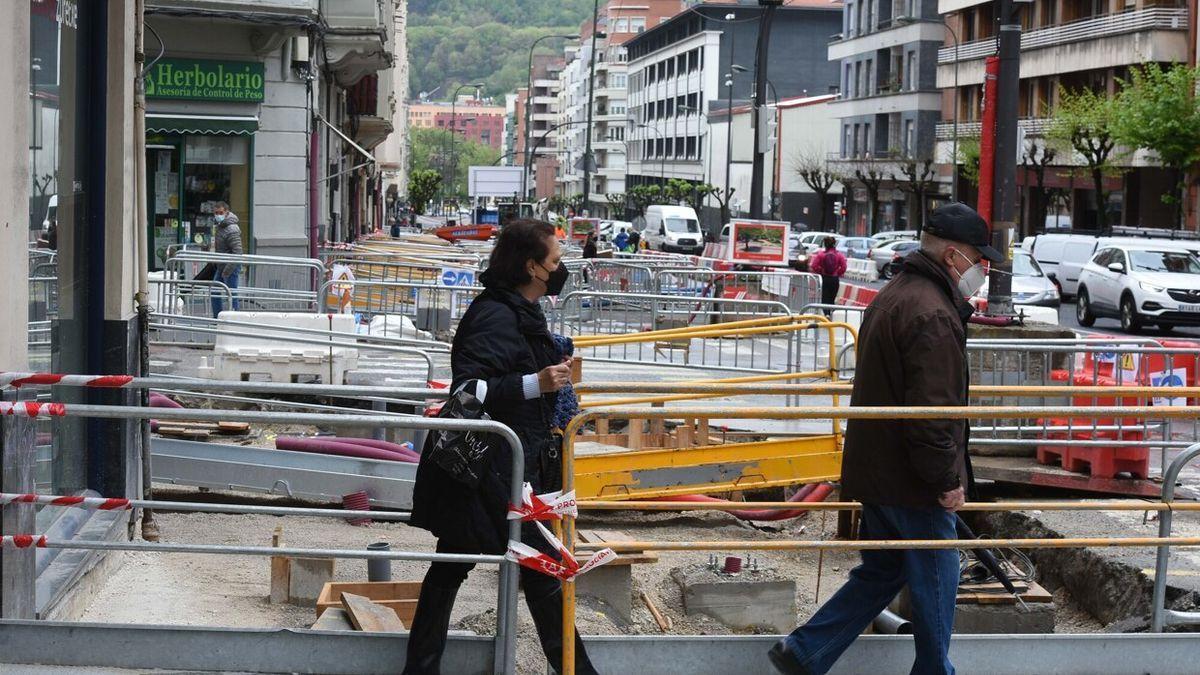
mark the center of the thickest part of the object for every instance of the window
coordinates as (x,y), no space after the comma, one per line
(670,147)
(858,86)
(637,24)
(868,142)
(616,109)
(847,141)
(912,71)
(909,137)
(848,85)
(618,81)
(622,26)
(691,146)
(871,90)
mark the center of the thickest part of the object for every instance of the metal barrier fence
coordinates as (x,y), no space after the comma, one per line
(265,283)
(597,313)
(1018,412)
(430,306)
(506,623)
(186,298)
(1160,615)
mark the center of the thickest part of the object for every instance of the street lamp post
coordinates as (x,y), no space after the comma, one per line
(454,125)
(954,141)
(529,105)
(733,68)
(587,154)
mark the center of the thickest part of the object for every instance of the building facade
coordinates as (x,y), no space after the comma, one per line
(231,109)
(536,114)
(678,70)
(392,154)
(889,107)
(1066,44)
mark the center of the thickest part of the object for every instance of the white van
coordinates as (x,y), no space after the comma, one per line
(673,228)
(1062,256)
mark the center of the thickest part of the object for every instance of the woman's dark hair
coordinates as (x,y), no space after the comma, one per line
(519,241)
(830,242)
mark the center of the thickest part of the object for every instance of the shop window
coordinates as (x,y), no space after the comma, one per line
(216,168)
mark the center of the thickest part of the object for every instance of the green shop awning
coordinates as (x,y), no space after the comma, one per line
(212,125)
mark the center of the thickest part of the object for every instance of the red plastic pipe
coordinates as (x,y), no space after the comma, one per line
(157,400)
(813,492)
(324,446)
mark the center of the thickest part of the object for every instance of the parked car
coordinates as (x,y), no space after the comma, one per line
(856,247)
(887,256)
(895,235)
(1062,256)
(673,228)
(1140,285)
(1030,285)
(815,241)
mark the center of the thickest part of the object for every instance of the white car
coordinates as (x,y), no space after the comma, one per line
(895,235)
(1139,286)
(815,241)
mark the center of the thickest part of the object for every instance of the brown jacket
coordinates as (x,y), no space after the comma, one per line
(911,352)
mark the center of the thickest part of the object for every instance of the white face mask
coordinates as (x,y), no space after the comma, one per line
(971,281)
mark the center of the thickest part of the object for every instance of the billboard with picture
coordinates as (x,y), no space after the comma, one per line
(758,242)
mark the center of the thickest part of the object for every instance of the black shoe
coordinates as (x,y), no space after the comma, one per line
(547,618)
(784,661)
(427,638)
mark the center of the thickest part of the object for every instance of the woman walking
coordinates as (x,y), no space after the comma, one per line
(831,265)
(503,341)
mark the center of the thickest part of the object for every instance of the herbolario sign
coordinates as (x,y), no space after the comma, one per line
(206,80)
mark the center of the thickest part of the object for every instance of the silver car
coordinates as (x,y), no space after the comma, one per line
(1030,285)
(887,256)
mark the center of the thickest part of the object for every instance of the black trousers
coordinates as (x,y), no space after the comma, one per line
(829,289)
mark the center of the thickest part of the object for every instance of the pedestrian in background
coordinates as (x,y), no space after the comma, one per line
(910,475)
(227,239)
(635,241)
(502,340)
(589,246)
(621,240)
(831,265)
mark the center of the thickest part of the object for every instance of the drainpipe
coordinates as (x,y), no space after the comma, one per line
(142,256)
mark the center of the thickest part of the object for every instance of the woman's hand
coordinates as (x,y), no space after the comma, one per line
(553,378)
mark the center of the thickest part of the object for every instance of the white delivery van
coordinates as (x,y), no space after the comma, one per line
(1062,255)
(673,228)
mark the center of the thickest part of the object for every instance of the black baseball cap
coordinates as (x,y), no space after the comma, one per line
(958,222)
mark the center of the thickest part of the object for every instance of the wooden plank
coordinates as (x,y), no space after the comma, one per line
(334,618)
(370,617)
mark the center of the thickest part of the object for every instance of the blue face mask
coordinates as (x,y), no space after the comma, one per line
(220,217)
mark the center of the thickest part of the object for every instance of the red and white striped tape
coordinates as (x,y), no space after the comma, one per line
(17,380)
(89,503)
(23,541)
(550,506)
(32,409)
(566,569)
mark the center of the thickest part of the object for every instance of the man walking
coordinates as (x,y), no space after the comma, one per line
(227,239)
(910,475)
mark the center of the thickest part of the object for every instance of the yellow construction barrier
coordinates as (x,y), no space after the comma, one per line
(568,528)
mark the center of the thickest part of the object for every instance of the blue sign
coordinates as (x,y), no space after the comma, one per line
(458,278)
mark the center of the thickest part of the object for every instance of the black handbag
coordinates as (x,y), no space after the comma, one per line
(461,454)
(206,273)
(551,464)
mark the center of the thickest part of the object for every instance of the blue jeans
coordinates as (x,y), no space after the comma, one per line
(932,579)
(232,282)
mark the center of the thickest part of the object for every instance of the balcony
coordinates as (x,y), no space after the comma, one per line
(1083,30)
(890,33)
(370,110)
(887,99)
(356,38)
(303,8)
(1034,127)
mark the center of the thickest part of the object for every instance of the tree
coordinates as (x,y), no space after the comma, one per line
(870,177)
(1084,121)
(1036,158)
(968,159)
(642,196)
(918,180)
(691,194)
(616,204)
(1158,110)
(815,173)
(722,197)
(431,149)
(423,185)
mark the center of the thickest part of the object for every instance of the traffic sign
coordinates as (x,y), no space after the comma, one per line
(457,278)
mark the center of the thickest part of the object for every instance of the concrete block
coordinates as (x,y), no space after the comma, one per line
(611,583)
(972,618)
(308,577)
(747,601)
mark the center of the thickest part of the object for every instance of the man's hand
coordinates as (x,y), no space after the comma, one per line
(953,500)
(553,378)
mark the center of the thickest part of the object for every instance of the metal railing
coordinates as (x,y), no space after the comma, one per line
(1032,126)
(506,623)
(1160,615)
(1091,28)
(265,283)
(430,306)
(964,413)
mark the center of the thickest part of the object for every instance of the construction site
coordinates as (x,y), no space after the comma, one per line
(278,447)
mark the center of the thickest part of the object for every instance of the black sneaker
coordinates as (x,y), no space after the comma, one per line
(784,661)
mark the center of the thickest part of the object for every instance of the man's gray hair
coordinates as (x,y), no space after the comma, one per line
(221,205)
(934,246)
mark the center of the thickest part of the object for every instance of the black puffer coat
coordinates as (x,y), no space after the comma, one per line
(501,338)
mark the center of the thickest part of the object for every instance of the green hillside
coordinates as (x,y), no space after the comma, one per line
(451,42)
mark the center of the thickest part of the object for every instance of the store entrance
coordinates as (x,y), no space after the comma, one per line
(162,194)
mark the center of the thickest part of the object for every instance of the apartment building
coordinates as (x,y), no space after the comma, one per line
(473,119)
(618,22)
(1066,44)
(677,72)
(889,108)
(542,103)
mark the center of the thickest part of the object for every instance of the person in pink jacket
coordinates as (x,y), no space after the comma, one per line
(831,265)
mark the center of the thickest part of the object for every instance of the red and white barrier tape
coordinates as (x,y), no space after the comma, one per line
(23,541)
(550,506)
(566,569)
(17,380)
(89,503)
(32,409)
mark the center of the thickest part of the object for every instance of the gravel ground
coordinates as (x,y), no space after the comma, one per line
(217,590)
